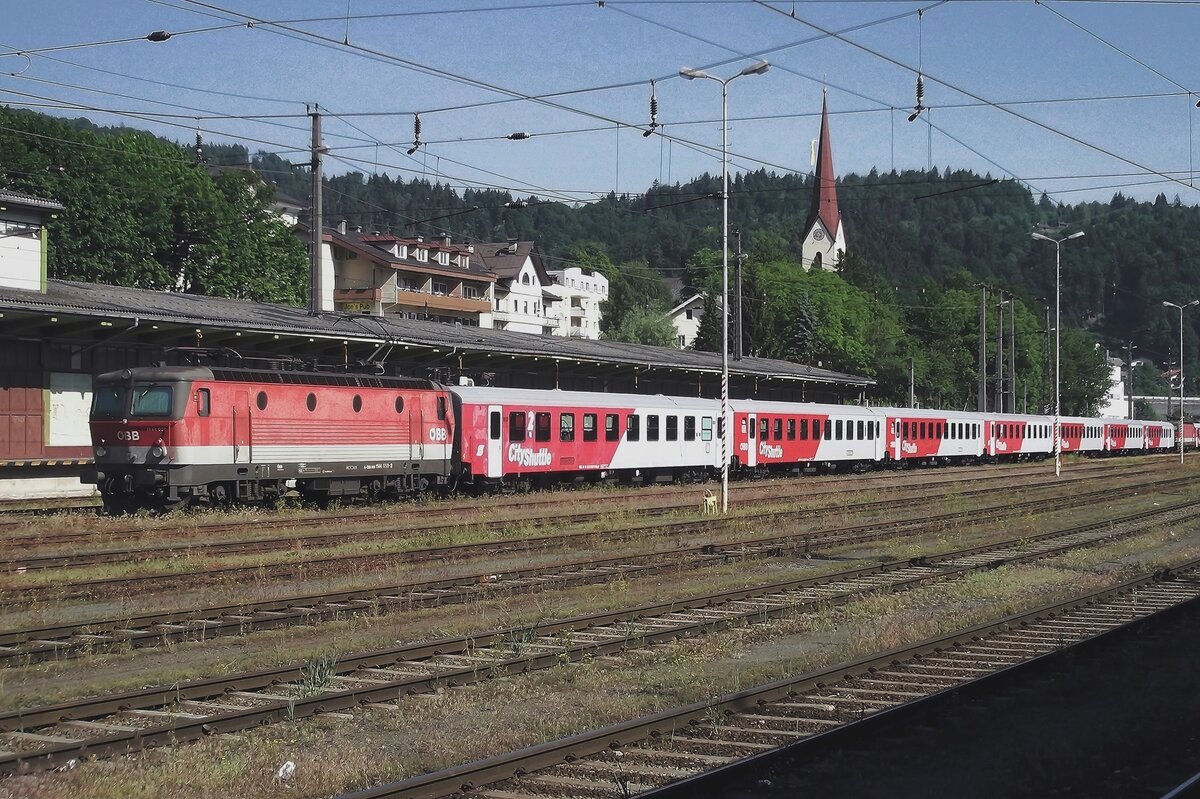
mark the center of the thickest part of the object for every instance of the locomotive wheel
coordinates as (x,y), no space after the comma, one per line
(219,496)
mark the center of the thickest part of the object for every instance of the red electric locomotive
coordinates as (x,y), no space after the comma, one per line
(168,436)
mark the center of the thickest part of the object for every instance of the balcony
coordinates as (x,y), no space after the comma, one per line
(422,301)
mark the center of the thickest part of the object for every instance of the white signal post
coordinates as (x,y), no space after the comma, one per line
(757,68)
(1181,307)
(1057,328)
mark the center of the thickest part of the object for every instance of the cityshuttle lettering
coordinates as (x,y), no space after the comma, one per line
(526,456)
(769,451)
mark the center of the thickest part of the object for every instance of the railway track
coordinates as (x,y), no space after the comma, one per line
(29,562)
(64,641)
(47,736)
(465,511)
(493,547)
(670,752)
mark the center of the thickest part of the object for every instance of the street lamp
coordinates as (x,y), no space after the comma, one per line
(1057,336)
(757,68)
(1180,307)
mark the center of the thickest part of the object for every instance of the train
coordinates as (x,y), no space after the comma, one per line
(171,436)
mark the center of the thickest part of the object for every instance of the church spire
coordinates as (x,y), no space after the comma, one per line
(824,195)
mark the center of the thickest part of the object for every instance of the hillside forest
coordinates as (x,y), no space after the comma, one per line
(142,211)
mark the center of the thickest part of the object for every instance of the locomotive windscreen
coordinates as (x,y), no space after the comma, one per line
(109,402)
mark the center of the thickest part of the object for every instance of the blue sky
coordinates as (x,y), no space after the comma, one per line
(1042,61)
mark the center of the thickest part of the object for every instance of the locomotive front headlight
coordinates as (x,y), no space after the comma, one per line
(158,451)
(101,452)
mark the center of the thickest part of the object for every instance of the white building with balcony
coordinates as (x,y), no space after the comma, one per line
(580,291)
(522,301)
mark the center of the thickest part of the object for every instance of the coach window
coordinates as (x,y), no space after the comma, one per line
(442,408)
(672,428)
(516,426)
(904,427)
(744,427)
(356,403)
(706,428)
(400,409)
(689,428)
(203,402)
(849,429)
(838,436)
(921,431)
(652,427)
(791,429)
(541,426)
(612,427)
(860,429)
(494,426)
(633,429)
(764,429)
(589,427)
(778,429)
(566,427)
(261,400)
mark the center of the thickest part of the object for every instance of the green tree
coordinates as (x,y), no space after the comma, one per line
(645,326)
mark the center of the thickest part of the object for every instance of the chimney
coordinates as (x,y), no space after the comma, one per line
(512,246)
(341,227)
(446,240)
(358,228)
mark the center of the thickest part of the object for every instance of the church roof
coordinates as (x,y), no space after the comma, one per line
(824,195)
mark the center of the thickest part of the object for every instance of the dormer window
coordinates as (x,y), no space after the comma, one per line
(401,250)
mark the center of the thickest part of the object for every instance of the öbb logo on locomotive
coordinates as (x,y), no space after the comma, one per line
(244,435)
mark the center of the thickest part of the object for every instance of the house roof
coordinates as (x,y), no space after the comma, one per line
(506,259)
(824,205)
(371,246)
(9,197)
(113,302)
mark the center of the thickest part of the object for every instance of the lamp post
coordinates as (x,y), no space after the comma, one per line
(1180,307)
(1057,338)
(757,68)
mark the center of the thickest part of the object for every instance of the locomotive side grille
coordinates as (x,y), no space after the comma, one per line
(320,379)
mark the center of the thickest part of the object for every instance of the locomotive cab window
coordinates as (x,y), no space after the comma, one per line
(109,402)
(203,402)
(541,426)
(516,426)
(494,425)
(652,427)
(589,427)
(151,401)
(633,427)
(672,428)
(612,427)
(441,408)
(566,427)
(689,428)
(706,428)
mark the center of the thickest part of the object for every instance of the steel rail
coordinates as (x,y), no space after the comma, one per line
(96,586)
(805,706)
(57,642)
(387,674)
(25,563)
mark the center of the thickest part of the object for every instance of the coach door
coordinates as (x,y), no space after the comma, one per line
(751,444)
(495,443)
(241,427)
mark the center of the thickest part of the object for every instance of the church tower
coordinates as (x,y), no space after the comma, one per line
(824,238)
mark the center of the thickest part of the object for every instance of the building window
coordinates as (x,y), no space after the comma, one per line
(441,287)
(471,292)
(687,314)
(525,280)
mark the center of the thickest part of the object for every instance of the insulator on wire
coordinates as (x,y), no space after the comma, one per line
(653,112)
(416,134)
(920,106)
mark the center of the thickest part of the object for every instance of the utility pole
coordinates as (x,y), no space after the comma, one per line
(1129,376)
(998,405)
(1046,351)
(981,400)
(316,224)
(1012,354)
(912,384)
(739,349)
